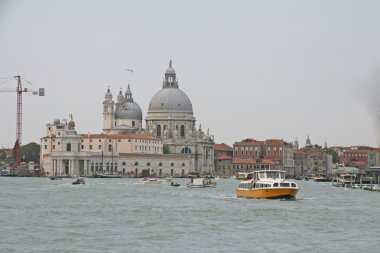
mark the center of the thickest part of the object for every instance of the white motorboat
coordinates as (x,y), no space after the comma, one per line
(201,183)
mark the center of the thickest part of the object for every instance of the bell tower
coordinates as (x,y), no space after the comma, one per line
(108,111)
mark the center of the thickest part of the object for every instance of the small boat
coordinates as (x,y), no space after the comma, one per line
(268,184)
(320,178)
(79,181)
(55,178)
(106,175)
(150,181)
(174,184)
(201,183)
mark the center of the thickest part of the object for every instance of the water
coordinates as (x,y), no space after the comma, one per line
(117,215)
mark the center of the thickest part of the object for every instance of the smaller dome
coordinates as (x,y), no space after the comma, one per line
(130,110)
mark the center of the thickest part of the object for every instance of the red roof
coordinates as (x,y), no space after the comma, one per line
(222,147)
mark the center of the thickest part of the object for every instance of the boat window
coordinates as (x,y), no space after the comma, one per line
(275,185)
(284,184)
(294,185)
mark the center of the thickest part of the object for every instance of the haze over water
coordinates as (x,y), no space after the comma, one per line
(117,215)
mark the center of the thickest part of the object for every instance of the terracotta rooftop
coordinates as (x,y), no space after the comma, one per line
(222,147)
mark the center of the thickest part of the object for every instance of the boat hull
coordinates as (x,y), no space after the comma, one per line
(273,193)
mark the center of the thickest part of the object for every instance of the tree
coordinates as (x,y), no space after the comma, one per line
(31,152)
(335,155)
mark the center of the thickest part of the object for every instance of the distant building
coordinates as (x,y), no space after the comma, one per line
(361,157)
(65,152)
(251,154)
(312,161)
(223,160)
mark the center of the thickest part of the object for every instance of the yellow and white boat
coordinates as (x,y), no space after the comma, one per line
(267,184)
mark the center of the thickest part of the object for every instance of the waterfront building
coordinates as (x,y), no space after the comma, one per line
(64,152)
(251,154)
(361,157)
(223,160)
(312,161)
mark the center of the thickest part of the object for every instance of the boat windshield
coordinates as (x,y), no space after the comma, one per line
(272,174)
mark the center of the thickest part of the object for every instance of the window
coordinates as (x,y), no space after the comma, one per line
(133,123)
(82,147)
(160,164)
(90,146)
(45,146)
(148,164)
(59,143)
(68,147)
(53,146)
(123,163)
(172,164)
(109,148)
(182,131)
(159,131)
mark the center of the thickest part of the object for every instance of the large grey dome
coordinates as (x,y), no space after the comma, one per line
(129,110)
(170,99)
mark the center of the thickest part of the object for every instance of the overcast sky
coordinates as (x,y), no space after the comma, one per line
(252,69)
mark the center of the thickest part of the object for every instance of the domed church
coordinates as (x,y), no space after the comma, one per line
(170,117)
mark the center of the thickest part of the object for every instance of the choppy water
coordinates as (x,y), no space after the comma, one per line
(117,215)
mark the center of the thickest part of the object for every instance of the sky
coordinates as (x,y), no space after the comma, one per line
(252,69)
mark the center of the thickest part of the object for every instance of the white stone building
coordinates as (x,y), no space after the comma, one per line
(64,152)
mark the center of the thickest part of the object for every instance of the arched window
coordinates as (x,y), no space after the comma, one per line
(148,164)
(159,131)
(183,164)
(172,164)
(136,164)
(123,163)
(186,150)
(160,164)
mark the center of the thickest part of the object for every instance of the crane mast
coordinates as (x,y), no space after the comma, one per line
(19,110)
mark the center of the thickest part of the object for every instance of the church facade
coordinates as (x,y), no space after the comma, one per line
(170,145)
